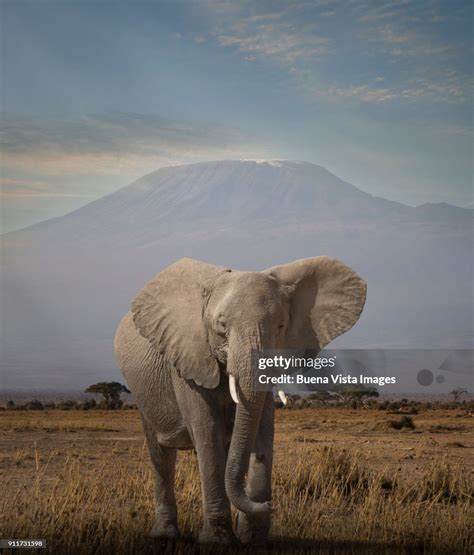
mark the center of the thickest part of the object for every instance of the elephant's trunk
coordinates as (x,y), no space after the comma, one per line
(247,419)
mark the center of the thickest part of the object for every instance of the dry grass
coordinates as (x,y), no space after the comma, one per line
(45,421)
(327,498)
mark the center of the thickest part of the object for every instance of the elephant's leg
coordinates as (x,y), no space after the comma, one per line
(164,461)
(209,436)
(255,528)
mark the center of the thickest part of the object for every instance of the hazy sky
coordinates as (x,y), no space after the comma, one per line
(98,93)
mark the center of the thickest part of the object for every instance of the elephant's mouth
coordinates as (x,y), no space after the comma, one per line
(234,392)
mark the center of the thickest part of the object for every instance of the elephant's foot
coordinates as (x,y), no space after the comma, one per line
(218,532)
(252,528)
(168,530)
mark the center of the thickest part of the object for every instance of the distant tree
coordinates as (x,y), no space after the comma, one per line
(458,393)
(355,396)
(321,396)
(111,392)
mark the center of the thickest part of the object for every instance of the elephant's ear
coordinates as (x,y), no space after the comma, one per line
(326,299)
(168,312)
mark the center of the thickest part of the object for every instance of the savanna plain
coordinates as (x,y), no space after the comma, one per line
(345,481)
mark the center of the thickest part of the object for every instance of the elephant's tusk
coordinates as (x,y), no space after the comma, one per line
(233,389)
(283,397)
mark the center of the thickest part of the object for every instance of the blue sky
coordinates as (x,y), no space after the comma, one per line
(98,93)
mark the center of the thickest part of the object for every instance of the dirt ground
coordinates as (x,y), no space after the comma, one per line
(52,460)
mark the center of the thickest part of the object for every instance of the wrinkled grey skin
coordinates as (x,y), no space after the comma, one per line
(191,327)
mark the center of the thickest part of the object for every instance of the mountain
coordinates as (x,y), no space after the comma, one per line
(66,282)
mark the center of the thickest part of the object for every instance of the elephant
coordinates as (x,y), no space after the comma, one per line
(185,349)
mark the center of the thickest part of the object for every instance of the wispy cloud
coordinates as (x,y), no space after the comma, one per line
(279,42)
(365,93)
(407,30)
(114,143)
(451,89)
(17,189)
(401,37)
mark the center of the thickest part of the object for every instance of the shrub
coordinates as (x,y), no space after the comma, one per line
(402,422)
(34,405)
(66,405)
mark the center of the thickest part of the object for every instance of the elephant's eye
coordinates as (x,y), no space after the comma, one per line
(281,326)
(221,326)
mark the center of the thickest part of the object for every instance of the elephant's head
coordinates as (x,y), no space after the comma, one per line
(206,320)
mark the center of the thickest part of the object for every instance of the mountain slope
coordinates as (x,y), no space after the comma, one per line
(230,192)
(66,282)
